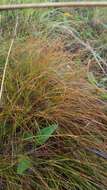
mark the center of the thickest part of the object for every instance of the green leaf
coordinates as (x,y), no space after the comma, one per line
(28,136)
(104,96)
(44,134)
(23,165)
(91,78)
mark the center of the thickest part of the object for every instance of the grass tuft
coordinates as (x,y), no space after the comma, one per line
(44,87)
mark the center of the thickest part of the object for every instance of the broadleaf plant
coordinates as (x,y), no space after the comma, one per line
(23,165)
(44,134)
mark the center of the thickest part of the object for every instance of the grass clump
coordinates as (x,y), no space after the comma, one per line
(46,97)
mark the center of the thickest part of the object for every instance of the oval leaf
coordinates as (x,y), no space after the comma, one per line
(23,165)
(44,134)
(104,96)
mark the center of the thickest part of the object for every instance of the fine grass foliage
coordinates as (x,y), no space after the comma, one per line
(52,122)
(53,116)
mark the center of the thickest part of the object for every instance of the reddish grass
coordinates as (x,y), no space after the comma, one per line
(43,86)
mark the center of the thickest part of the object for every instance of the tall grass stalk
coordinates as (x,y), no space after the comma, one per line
(7,60)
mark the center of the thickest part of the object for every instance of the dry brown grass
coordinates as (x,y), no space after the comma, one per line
(44,86)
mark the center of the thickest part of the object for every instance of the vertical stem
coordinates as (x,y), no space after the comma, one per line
(7,61)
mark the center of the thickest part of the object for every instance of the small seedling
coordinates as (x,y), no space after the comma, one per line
(23,165)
